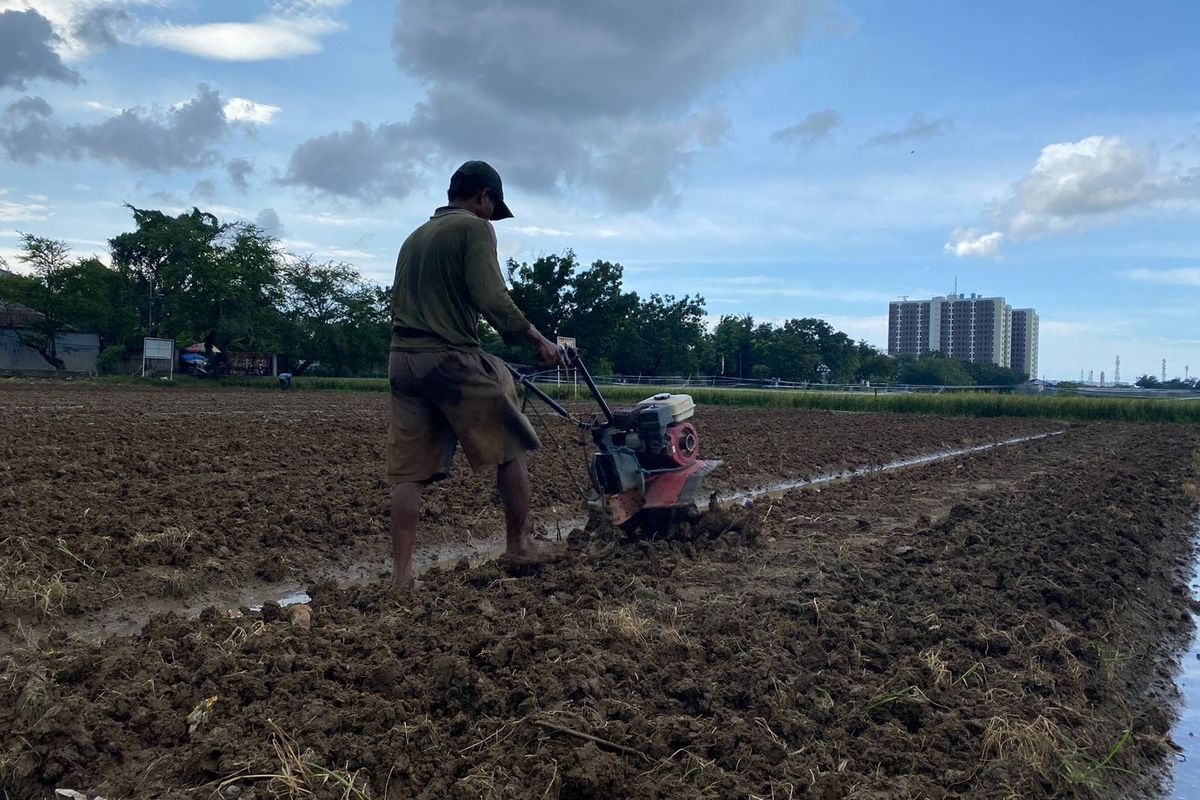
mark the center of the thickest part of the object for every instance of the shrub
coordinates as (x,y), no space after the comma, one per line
(110,358)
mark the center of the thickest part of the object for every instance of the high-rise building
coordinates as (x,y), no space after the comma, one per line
(975,329)
(1025,341)
(908,327)
(982,330)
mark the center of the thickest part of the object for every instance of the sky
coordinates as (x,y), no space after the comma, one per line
(781,158)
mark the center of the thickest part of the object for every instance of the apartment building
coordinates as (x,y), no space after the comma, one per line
(982,330)
(1025,341)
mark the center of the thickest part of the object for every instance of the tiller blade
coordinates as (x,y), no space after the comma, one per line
(676,488)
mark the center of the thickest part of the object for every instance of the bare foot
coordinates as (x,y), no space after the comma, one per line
(533,552)
(400,585)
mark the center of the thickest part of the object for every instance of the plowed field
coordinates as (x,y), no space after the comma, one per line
(987,626)
(115,498)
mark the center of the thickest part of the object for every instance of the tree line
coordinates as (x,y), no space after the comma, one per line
(193,278)
(1152,382)
(623,333)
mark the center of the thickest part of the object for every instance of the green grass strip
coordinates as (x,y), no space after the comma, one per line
(965,404)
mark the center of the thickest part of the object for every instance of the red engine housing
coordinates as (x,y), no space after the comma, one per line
(683,444)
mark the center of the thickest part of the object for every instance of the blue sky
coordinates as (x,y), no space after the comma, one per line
(781,158)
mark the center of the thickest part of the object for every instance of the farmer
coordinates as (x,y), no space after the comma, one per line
(445,389)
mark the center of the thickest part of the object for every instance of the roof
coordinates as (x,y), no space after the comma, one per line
(18,316)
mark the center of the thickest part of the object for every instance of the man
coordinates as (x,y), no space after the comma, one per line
(445,389)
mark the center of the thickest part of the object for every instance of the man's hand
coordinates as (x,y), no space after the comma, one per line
(548,353)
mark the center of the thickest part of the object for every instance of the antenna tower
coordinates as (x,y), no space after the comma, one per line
(1101,377)
(1117,374)
(1091,374)
(1164,371)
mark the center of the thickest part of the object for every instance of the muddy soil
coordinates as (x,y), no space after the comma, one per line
(115,498)
(983,627)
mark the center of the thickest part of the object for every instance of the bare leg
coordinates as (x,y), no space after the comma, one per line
(512,479)
(406,509)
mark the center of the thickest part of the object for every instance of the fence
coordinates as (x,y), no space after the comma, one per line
(566,377)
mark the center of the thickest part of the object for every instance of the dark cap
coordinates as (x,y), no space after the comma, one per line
(475,175)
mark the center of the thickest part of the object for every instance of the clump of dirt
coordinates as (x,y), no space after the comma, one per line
(735,526)
(991,644)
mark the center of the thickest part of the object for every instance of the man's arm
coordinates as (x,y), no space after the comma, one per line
(547,352)
(490,295)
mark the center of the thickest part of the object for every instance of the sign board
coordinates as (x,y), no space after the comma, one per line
(568,341)
(158,348)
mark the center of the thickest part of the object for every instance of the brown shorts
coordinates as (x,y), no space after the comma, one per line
(442,398)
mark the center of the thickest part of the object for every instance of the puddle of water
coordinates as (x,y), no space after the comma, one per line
(1186,733)
(787,486)
(444,556)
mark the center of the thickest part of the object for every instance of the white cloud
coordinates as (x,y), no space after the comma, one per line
(339,252)
(101,107)
(1078,185)
(1073,183)
(303,246)
(534,230)
(22,212)
(1183,276)
(338,220)
(10,260)
(37,198)
(284,35)
(239,109)
(965,242)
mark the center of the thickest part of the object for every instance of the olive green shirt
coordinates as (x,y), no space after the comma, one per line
(447,275)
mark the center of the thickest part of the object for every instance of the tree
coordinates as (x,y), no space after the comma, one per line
(234,300)
(993,375)
(541,290)
(1147,382)
(666,334)
(66,293)
(732,342)
(560,298)
(599,313)
(203,280)
(43,292)
(933,369)
(334,317)
(160,257)
(874,366)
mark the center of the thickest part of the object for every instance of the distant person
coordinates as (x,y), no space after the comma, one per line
(445,389)
(285,380)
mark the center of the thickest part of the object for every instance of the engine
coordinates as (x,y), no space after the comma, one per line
(650,436)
